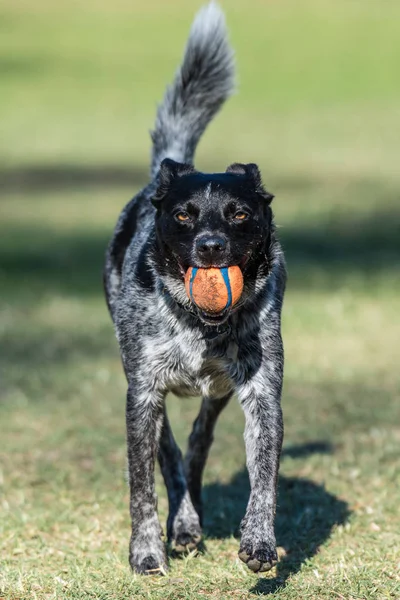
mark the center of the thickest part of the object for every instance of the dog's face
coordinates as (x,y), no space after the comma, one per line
(211,220)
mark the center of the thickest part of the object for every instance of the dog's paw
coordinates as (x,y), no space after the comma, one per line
(258,556)
(186,532)
(186,538)
(184,529)
(147,557)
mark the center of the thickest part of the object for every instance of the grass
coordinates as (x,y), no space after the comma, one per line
(318,110)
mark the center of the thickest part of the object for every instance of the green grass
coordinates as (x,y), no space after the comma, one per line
(317,108)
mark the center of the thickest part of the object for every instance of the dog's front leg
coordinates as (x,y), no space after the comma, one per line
(144,420)
(260,399)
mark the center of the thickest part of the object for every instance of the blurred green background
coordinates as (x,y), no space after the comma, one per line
(318,108)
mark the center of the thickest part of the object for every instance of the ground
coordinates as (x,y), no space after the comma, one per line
(318,109)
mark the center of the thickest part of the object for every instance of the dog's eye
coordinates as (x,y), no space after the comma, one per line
(240,216)
(182,216)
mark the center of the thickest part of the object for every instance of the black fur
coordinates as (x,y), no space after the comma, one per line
(186,218)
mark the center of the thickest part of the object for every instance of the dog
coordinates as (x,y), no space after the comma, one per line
(185,218)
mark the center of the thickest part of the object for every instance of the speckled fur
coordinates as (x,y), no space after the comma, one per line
(167,346)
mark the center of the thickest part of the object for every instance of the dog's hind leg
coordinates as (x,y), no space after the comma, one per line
(200,441)
(183,526)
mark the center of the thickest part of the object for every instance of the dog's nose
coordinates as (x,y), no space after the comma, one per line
(209,245)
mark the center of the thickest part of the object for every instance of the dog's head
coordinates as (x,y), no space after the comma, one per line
(211,220)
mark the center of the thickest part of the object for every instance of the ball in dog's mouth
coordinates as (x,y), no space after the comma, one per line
(214,290)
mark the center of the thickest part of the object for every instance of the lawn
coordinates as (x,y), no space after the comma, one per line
(318,108)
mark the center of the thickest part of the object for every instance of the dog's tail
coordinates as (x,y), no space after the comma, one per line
(201,85)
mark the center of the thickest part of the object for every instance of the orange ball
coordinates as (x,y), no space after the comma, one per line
(213,289)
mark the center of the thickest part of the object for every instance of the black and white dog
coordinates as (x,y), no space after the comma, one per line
(187,218)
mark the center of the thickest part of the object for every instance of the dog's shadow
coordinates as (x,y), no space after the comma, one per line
(306,514)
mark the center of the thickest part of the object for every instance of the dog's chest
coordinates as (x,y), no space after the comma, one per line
(190,365)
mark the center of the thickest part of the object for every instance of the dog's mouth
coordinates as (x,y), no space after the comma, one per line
(214,318)
(183,267)
(211,318)
(244,262)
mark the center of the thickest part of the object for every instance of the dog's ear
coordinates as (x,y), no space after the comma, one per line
(252,173)
(169,171)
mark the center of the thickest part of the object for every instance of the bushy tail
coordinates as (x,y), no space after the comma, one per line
(201,85)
